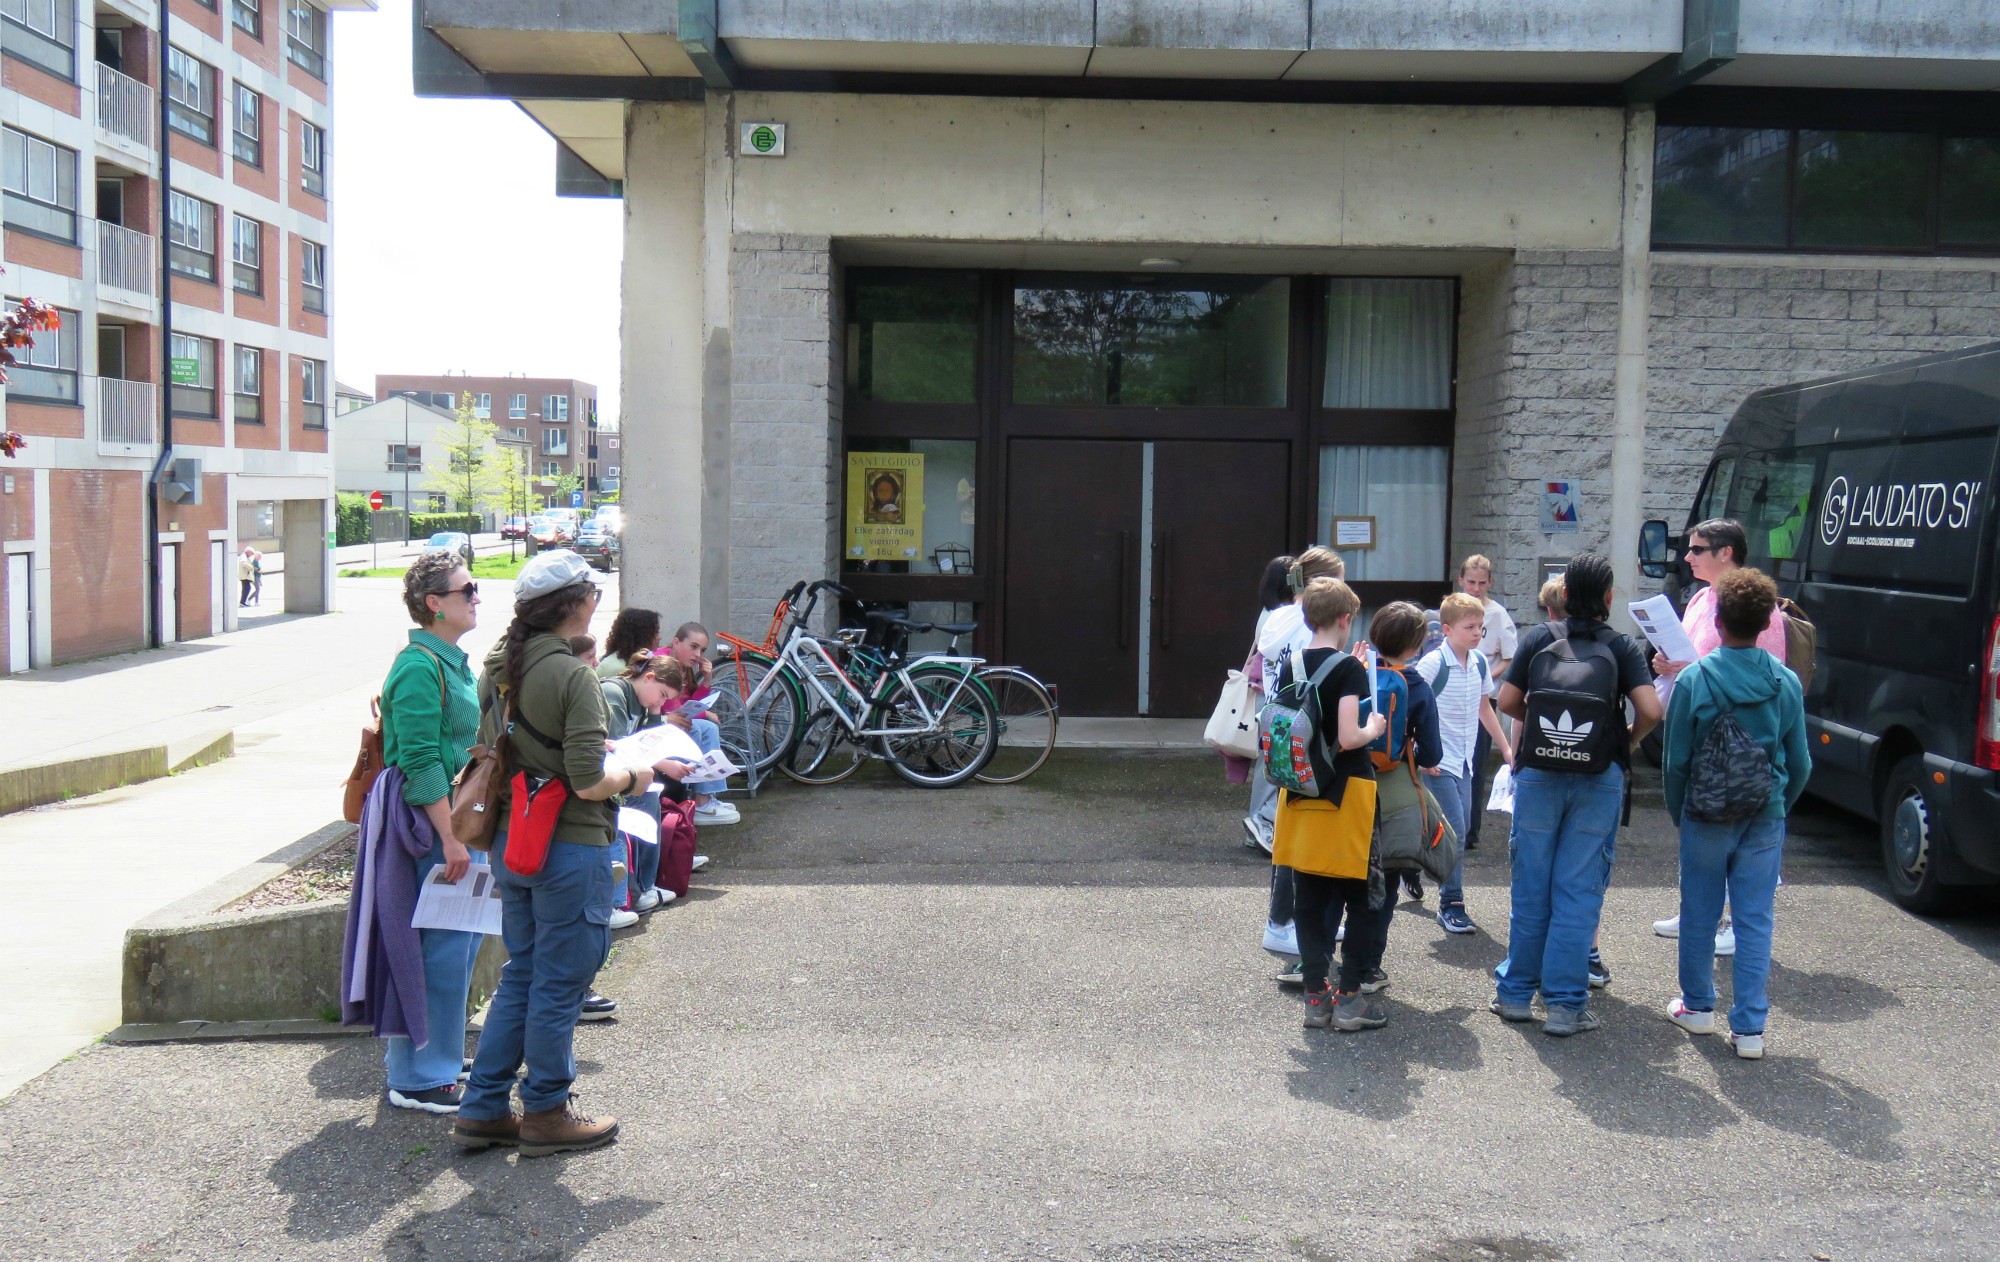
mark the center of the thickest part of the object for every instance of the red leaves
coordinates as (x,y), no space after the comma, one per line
(16,329)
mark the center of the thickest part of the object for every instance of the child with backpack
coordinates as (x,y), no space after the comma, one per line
(1565,690)
(1736,763)
(1404,698)
(1456,672)
(1316,749)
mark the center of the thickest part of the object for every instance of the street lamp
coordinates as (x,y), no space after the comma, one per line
(527,448)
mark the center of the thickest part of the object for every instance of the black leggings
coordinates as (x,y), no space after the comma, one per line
(1321,903)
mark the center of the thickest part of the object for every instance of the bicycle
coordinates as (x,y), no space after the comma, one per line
(738,676)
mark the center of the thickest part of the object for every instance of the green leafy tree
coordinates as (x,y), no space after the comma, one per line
(476,472)
(562,486)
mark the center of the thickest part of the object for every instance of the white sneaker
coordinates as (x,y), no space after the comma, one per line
(1688,1019)
(1725,941)
(621,919)
(1668,928)
(717,813)
(1281,939)
(648,900)
(1748,1046)
(700,862)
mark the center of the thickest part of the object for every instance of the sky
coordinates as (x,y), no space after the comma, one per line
(451,251)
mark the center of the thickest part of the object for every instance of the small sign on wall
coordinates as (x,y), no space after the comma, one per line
(1353,534)
(1562,507)
(885,505)
(761,140)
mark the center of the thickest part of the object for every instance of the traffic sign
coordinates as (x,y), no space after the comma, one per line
(374,501)
(576,499)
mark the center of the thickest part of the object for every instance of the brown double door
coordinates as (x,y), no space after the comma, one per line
(1132,567)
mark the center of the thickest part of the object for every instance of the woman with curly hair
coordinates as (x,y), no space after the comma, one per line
(632,631)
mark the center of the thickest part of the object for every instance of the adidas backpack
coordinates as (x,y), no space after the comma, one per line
(1574,720)
(1291,732)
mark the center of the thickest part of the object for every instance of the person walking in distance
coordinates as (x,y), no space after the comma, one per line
(1566,689)
(557,892)
(246,573)
(1498,640)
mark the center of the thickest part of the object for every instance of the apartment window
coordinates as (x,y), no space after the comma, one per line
(519,433)
(613,441)
(312,275)
(246,254)
(247,16)
(312,159)
(46,372)
(482,406)
(190,97)
(192,371)
(555,442)
(313,390)
(444,399)
(556,408)
(611,471)
(517,409)
(551,470)
(191,236)
(247,142)
(405,459)
(41,33)
(41,186)
(249,385)
(305,37)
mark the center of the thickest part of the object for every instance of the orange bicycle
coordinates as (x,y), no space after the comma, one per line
(740,665)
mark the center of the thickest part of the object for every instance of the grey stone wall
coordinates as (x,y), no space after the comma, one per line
(784,437)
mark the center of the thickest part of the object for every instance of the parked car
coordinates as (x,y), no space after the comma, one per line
(451,541)
(550,532)
(514,528)
(598,546)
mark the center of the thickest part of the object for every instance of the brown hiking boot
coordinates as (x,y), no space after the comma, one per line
(473,1134)
(564,1130)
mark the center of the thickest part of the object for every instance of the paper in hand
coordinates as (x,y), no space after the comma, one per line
(1502,796)
(470,905)
(1657,621)
(647,748)
(638,823)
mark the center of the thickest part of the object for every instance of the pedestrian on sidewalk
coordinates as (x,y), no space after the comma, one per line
(555,919)
(430,719)
(246,573)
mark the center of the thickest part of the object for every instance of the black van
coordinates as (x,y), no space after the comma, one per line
(1870,498)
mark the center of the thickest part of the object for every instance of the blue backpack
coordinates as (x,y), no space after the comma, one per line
(1394,698)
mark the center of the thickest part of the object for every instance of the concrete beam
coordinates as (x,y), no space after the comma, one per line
(611,17)
(1002,23)
(703,45)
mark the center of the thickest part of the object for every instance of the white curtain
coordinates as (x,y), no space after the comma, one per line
(1388,343)
(1404,489)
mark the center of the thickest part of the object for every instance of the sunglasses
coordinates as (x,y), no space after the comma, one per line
(470,591)
(1697,549)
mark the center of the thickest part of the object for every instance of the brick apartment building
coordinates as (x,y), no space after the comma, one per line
(248,114)
(556,414)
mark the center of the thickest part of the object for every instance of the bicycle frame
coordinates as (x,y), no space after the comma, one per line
(803,654)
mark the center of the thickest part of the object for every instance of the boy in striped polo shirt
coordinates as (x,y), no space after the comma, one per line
(1459,675)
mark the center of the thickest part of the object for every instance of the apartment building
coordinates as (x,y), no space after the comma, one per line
(224,431)
(557,416)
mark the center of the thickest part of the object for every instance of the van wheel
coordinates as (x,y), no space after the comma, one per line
(1911,840)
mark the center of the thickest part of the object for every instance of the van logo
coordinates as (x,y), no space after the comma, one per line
(1833,513)
(1563,732)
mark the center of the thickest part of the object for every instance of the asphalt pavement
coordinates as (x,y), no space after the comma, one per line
(1034,1022)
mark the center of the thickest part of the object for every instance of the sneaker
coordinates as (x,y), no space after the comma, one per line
(597,1008)
(1281,939)
(564,1130)
(1374,980)
(1510,1011)
(1725,941)
(716,813)
(1293,974)
(1319,1007)
(437,1100)
(1563,1022)
(1353,1012)
(649,900)
(1252,839)
(1597,970)
(473,1134)
(1693,1020)
(700,862)
(1748,1046)
(1454,920)
(1668,928)
(1414,886)
(622,919)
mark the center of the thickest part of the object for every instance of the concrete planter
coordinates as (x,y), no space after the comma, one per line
(192,965)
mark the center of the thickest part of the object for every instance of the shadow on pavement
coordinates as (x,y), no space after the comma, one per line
(1794,1095)
(1369,1073)
(1621,1077)
(518,1211)
(1829,998)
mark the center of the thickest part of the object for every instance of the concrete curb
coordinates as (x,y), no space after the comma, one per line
(38,785)
(221,1031)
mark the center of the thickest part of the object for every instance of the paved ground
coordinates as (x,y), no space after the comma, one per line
(1033,1022)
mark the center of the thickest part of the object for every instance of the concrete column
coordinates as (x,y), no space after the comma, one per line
(1628,441)
(718,343)
(662,357)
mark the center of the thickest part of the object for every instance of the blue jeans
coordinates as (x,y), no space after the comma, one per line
(1740,860)
(642,866)
(1451,791)
(448,956)
(1565,838)
(556,925)
(708,739)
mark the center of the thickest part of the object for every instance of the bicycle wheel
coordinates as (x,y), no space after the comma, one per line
(949,748)
(1024,713)
(823,753)
(777,720)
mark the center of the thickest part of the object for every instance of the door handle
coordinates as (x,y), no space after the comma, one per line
(1124,581)
(1166,589)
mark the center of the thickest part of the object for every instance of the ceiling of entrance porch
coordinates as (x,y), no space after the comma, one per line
(1194,260)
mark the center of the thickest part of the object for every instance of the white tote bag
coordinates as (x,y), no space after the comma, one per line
(1232,729)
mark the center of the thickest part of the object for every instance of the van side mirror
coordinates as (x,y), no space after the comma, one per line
(1653,549)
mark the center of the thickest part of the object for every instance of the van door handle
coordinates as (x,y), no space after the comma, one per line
(1166,589)
(1124,581)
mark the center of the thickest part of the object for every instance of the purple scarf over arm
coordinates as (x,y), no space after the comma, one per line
(379,938)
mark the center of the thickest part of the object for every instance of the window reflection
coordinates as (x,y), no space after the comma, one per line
(1212,342)
(1720,186)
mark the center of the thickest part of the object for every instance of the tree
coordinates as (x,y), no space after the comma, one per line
(476,472)
(17,328)
(566,485)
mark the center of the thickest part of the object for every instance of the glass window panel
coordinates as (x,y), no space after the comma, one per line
(945,542)
(1970,209)
(1220,341)
(912,339)
(1719,185)
(1863,190)
(1405,490)
(1388,344)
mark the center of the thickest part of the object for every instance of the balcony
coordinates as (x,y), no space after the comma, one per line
(124,106)
(127,413)
(124,259)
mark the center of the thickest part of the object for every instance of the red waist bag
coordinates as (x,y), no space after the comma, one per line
(532,822)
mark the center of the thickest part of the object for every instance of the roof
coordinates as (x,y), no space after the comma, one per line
(353,392)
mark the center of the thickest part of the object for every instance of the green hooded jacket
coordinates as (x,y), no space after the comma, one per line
(562,698)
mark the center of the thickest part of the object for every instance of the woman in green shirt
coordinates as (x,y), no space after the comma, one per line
(430,720)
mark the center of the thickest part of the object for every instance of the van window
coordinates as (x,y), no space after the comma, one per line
(1906,516)
(1715,493)
(1770,495)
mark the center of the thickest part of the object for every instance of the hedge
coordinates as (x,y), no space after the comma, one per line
(350,519)
(424,525)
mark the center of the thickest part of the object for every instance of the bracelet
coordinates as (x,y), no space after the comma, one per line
(631,782)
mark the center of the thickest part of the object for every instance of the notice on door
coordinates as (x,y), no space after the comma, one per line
(885,505)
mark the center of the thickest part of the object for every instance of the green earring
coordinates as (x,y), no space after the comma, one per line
(440,615)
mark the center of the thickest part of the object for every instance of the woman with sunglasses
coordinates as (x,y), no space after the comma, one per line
(430,720)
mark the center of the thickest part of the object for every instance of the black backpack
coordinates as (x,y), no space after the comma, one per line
(1574,721)
(1730,779)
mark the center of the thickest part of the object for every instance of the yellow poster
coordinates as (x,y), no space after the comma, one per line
(885,505)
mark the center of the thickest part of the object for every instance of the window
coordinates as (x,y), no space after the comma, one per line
(519,433)
(482,406)
(550,470)
(1409,486)
(444,399)
(192,371)
(247,16)
(305,37)
(611,471)
(190,97)
(249,385)
(405,459)
(313,391)
(40,184)
(46,372)
(312,275)
(191,236)
(555,408)
(1861,190)
(614,442)
(246,255)
(1141,342)
(41,33)
(1388,344)
(555,442)
(517,408)
(911,339)
(246,142)
(312,159)
(1969,213)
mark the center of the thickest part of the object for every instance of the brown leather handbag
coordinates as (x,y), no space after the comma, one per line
(475,798)
(369,761)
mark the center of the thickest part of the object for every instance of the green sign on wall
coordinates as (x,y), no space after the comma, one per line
(184,372)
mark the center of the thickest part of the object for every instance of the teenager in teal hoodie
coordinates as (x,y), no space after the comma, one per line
(1739,858)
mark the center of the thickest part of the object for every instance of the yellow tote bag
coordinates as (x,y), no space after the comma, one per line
(1318,837)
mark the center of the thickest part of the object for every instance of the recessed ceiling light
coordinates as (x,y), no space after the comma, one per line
(1160,264)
